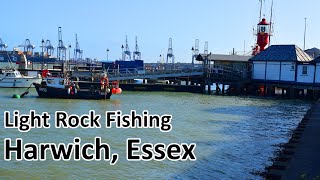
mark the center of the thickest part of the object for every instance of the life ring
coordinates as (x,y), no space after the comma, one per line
(104,81)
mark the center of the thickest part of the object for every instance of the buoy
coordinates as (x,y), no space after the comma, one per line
(114,91)
(119,90)
(16,96)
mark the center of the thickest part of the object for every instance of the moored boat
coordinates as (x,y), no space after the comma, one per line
(56,87)
(12,78)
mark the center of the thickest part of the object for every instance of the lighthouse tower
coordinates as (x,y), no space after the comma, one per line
(263,35)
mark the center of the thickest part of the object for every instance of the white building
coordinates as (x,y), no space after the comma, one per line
(283,63)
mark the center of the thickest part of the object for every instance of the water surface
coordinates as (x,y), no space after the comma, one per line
(235,136)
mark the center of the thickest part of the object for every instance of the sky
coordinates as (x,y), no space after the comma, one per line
(104,24)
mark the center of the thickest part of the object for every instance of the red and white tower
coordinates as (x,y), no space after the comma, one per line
(263,36)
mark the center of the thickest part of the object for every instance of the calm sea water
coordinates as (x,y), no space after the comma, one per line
(235,136)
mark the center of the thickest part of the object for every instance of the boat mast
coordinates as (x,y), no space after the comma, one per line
(305,30)
(260,9)
(270,31)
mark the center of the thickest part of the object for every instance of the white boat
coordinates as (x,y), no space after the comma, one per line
(12,78)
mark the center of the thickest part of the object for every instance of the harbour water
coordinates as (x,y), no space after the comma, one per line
(235,136)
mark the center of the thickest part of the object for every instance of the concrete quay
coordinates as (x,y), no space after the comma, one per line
(300,157)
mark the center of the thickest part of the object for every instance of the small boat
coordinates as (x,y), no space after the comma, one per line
(56,87)
(12,78)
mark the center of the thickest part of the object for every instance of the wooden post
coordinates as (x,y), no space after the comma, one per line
(223,88)
(209,87)
(217,88)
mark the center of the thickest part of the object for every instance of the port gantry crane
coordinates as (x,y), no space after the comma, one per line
(195,51)
(126,54)
(27,47)
(47,48)
(61,49)
(206,48)
(77,51)
(3,46)
(170,53)
(137,53)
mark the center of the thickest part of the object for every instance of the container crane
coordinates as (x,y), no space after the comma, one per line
(3,46)
(126,54)
(61,49)
(170,52)
(27,47)
(137,53)
(77,51)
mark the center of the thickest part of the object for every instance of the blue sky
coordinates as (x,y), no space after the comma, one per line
(102,24)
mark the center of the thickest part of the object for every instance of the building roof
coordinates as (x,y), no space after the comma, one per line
(317,59)
(282,53)
(226,57)
(313,52)
(223,57)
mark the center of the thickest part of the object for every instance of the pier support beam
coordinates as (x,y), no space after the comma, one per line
(310,93)
(217,89)
(223,88)
(271,90)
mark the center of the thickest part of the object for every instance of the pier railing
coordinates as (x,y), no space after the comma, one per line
(125,74)
(226,74)
(216,73)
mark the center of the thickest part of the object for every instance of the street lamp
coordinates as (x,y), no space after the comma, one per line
(122,52)
(69,51)
(192,49)
(42,42)
(107,54)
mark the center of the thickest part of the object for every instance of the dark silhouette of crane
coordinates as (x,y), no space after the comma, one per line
(170,53)
(77,51)
(136,53)
(61,49)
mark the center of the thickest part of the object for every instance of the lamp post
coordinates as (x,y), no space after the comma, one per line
(68,65)
(192,49)
(107,54)
(42,42)
(69,50)
(122,52)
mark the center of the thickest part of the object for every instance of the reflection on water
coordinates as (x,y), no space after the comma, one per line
(234,135)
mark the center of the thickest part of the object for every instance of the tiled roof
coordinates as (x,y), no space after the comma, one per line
(282,53)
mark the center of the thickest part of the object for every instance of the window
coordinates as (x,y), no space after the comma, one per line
(293,66)
(304,70)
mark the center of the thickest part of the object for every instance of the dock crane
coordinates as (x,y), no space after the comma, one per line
(3,46)
(206,48)
(195,50)
(27,47)
(77,51)
(48,48)
(61,49)
(170,53)
(126,54)
(137,53)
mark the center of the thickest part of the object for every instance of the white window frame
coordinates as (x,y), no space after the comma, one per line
(304,70)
